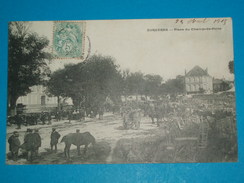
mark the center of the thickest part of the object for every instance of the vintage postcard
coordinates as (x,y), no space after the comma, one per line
(121,91)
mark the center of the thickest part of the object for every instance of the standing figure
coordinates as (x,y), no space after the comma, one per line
(37,141)
(18,120)
(57,116)
(70,116)
(29,144)
(49,118)
(14,145)
(82,114)
(101,112)
(54,139)
(43,118)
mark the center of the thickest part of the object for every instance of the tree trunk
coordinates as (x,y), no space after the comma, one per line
(58,103)
(12,105)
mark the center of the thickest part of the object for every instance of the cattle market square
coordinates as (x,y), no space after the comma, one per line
(174,128)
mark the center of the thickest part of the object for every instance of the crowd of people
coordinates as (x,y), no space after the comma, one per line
(164,111)
(184,109)
(31,143)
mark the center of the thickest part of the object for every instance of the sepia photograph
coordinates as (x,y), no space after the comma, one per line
(121,92)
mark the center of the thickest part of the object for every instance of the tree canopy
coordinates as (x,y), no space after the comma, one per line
(174,86)
(88,83)
(27,58)
(91,82)
(231,66)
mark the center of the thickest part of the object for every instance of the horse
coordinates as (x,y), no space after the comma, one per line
(77,139)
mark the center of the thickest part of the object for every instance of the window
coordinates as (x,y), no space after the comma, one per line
(43,100)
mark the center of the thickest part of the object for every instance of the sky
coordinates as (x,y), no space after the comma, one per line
(135,46)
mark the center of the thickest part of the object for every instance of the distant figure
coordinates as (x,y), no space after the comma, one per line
(14,145)
(49,118)
(37,141)
(58,116)
(18,120)
(100,113)
(29,144)
(54,139)
(82,114)
(70,115)
(43,118)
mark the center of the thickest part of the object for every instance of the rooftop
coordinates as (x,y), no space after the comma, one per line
(197,71)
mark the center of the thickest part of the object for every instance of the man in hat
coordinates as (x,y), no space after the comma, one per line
(37,141)
(14,145)
(29,144)
(54,139)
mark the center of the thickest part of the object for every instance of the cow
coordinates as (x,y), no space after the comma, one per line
(78,139)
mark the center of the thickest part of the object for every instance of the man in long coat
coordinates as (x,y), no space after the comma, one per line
(29,144)
(14,145)
(54,139)
(37,141)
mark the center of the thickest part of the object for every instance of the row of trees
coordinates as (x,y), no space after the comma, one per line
(89,83)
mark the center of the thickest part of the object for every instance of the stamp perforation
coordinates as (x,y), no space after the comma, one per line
(83,38)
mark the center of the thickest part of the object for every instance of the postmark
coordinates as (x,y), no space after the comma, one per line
(68,39)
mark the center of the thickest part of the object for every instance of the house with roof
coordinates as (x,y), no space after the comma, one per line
(197,80)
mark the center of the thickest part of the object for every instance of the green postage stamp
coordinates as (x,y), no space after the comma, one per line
(68,39)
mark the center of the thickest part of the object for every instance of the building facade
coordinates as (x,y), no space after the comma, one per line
(197,80)
(37,100)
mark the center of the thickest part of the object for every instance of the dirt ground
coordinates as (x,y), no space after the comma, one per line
(107,133)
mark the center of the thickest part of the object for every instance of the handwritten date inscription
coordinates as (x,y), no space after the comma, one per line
(222,21)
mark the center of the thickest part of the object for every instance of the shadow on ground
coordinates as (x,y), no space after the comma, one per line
(95,154)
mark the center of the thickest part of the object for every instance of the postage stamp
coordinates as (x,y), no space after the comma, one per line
(68,39)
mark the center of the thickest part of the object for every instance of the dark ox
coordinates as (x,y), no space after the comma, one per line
(77,139)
